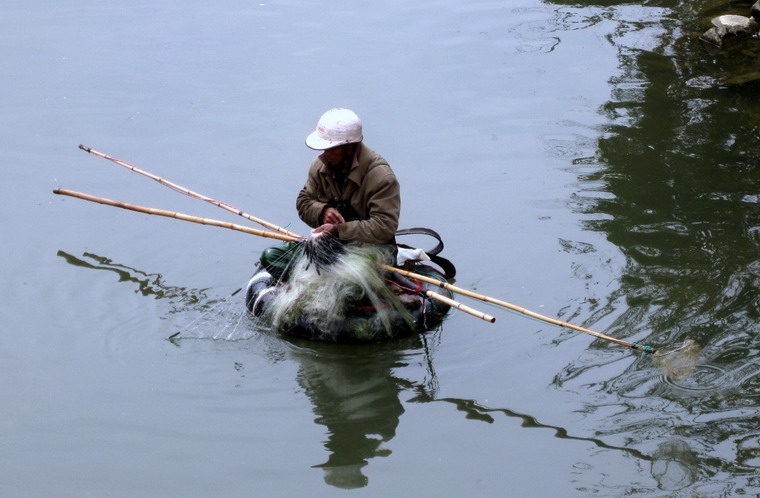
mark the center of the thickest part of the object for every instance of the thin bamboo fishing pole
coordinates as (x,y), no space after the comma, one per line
(241,228)
(183,190)
(519,309)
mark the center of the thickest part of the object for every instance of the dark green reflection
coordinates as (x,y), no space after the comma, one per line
(355,394)
(148,284)
(475,411)
(675,185)
(682,165)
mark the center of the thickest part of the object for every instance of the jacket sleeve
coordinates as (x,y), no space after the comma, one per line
(383,209)
(309,203)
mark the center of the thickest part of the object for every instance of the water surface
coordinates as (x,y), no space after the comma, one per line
(593,162)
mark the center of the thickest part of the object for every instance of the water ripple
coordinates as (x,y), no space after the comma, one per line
(748,451)
(703,378)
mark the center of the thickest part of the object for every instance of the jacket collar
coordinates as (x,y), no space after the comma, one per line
(359,165)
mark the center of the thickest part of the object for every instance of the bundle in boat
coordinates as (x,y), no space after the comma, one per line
(344,297)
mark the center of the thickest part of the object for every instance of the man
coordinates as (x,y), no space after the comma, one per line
(351,191)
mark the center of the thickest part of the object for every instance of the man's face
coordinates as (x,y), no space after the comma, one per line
(336,156)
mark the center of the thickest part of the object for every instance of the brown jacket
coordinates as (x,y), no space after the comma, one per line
(370,188)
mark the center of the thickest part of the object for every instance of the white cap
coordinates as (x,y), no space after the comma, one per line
(335,127)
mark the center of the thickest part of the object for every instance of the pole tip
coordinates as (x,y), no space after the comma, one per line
(84,148)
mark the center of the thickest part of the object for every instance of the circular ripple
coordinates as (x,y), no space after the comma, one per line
(703,378)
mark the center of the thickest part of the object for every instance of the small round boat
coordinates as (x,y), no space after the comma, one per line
(401,309)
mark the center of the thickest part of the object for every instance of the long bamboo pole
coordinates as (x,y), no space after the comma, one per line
(179,216)
(241,228)
(519,309)
(183,190)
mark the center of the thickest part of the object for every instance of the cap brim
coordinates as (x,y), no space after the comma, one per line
(314,141)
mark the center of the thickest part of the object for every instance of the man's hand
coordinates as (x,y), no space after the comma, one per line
(332,216)
(327,228)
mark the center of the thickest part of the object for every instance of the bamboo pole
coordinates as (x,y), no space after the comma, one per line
(183,190)
(460,306)
(173,214)
(519,309)
(241,228)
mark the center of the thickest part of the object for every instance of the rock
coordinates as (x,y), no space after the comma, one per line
(756,12)
(712,36)
(732,25)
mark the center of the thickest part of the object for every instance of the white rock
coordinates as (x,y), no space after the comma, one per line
(732,25)
(729,25)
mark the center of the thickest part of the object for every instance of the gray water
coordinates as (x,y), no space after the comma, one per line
(590,162)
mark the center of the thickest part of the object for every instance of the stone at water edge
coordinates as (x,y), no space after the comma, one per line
(732,25)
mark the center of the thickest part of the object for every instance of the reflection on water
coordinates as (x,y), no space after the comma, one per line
(356,397)
(211,318)
(674,465)
(181,298)
(353,389)
(355,393)
(674,185)
(476,411)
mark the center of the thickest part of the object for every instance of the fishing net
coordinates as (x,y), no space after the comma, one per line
(323,250)
(679,360)
(331,290)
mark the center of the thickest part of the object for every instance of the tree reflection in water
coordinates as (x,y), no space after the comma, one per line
(674,183)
